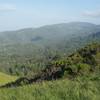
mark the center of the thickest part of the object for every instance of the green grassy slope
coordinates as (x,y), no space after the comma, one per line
(86,86)
(4,78)
(56,90)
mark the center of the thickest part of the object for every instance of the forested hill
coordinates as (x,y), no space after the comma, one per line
(49,32)
(83,62)
(26,51)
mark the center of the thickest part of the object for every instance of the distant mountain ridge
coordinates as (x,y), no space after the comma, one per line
(37,46)
(49,32)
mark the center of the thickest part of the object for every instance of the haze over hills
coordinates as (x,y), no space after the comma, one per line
(49,33)
(49,59)
(37,46)
(49,50)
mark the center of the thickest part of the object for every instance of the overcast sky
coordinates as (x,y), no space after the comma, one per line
(17,14)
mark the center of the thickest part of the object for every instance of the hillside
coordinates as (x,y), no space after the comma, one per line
(78,74)
(4,78)
(49,32)
(25,51)
(57,90)
(84,62)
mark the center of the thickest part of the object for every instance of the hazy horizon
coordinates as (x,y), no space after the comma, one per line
(18,29)
(16,14)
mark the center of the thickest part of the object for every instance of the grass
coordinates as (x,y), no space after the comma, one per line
(55,90)
(4,78)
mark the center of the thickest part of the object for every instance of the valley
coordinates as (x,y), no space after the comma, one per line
(53,62)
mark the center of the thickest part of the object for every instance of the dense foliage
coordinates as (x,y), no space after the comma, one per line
(83,62)
(28,51)
(78,74)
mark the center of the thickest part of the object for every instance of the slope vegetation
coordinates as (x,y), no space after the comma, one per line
(84,62)
(78,74)
(81,89)
(27,50)
(4,78)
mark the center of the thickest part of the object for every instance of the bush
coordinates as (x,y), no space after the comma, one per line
(83,68)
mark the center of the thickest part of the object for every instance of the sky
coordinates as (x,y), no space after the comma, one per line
(17,14)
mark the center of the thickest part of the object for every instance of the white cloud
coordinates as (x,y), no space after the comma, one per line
(93,14)
(7,7)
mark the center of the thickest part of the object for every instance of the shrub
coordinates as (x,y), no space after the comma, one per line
(83,68)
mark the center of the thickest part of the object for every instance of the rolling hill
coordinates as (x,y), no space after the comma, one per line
(84,83)
(28,50)
(82,63)
(49,32)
